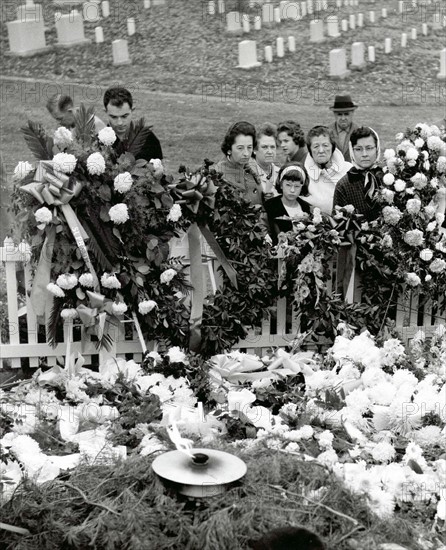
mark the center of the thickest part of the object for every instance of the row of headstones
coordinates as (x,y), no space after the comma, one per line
(302,9)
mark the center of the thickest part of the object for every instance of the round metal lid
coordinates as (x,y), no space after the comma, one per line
(220,469)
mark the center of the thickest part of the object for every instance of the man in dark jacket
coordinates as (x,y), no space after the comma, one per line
(343,127)
(118,104)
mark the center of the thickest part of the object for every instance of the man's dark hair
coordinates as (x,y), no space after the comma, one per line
(362,132)
(288,538)
(294,130)
(239,128)
(117,96)
(59,102)
(317,131)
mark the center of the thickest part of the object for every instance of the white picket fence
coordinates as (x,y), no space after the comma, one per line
(27,341)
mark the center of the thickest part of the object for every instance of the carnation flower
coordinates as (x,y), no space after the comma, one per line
(412,279)
(414,237)
(441,165)
(67,281)
(96,164)
(434,143)
(431,226)
(325,439)
(123,182)
(419,142)
(428,435)
(43,215)
(388,195)
(87,280)
(176,355)
(391,214)
(107,136)
(388,179)
(167,276)
(317,217)
(389,154)
(157,164)
(437,266)
(387,241)
(119,213)
(419,180)
(383,452)
(63,137)
(399,185)
(22,169)
(146,306)
(412,154)
(441,246)
(424,129)
(426,254)
(405,145)
(109,280)
(434,183)
(55,290)
(328,458)
(392,351)
(429,211)
(428,278)
(119,308)
(175,213)
(63,162)
(413,206)
(69,313)
(399,136)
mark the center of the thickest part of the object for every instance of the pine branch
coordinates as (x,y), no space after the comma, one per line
(84,124)
(38,142)
(137,136)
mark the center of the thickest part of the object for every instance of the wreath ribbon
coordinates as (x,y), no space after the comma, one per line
(95,317)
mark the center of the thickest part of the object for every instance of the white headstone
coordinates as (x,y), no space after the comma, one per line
(30,12)
(257,23)
(26,38)
(372,16)
(105,8)
(317,31)
(70,30)
(269,54)
(233,22)
(358,61)
(245,23)
(404,40)
(292,11)
(424,29)
(211,7)
(339,3)
(400,6)
(280,47)
(268,13)
(221,6)
(120,52)
(344,25)
(283,9)
(371,54)
(91,12)
(303,9)
(158,2)
(413,34)
(442,74)
(360,19)
(147,4)
(276,15)
(99,35)
(131,27)
(387,45)
(310,7)
(352,21)
(346,3)
(436,21)
(384,13)
(338,63)
(333,26)
(247,54)
(291,44)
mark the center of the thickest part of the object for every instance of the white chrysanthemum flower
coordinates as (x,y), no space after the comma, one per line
(387,241)
(431,226)
(388,195)
(317,217)
(388,179)
(325,439)
(381,502)
(109,280)
(405,145)
(107,136)
(359,400)
(434,143)
(328,458)
(391,214)
(63,137)
(414,237)
(157,164)
(146,306)
(123,182)
(412,154)
(419,180)
(437,266)
(426,254)
(119,308)
(428,435)
(96,164)
(22,169)
(382,393)
(43,215)
(429,211)
(389,154)
(69,313)
(67,281)
(441,165)
(413,206)
(55,290)
(425,130)
(419,142)
(119,213)
(306,432)
(412,279)
(176,355)
(63,162)
(167,276)
(383,452)
(86,280)
(399,185)
(175,213)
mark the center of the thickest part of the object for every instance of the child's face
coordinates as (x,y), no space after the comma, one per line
(291,189)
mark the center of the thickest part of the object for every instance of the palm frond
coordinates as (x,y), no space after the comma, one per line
(105,342)
(38,142)
(96,250)
(137,136)
(53,322)
(84,124)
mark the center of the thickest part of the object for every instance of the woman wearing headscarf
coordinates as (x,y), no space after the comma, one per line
(359,186)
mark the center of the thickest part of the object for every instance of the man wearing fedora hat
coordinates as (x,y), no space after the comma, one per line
(341,130)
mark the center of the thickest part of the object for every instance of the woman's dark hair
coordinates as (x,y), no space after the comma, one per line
(362,132)
(239,128)
(267,129)
(288,538)
(293,175)
(294,130)
(317,131)
(117,96)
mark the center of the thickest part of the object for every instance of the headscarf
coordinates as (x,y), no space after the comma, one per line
(370,183)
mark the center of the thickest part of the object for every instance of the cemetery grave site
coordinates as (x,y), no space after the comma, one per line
(169,377)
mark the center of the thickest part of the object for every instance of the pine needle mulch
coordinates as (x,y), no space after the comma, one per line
(125,507)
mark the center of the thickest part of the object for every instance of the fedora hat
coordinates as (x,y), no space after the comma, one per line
(343,103)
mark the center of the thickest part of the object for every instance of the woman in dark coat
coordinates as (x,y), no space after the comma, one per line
(292,184)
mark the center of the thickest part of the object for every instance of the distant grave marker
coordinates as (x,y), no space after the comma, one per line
(424,29)
(291,44)
(91,12)
(277,15)
(384,13)
(70,30)
(30,12)
(26,38)
(247,55)
(120,49)
(372,16)
(442,74)
(317,31)
(387,45)
(221,6)
(245,23)
(338,64)
(105,8)
(360,19)
(233,22)
(268,13)
(211,7)
(280,47)
(268,54)
(333,26)
(413,34)
(352,21)
(344,25)
(131,27)
(371,54)
(257,23)
(404,40)
(357,53)
(99,35)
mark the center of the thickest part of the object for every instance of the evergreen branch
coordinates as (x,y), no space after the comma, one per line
(137,136)
(38,142)
(53,321)
(84,124)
